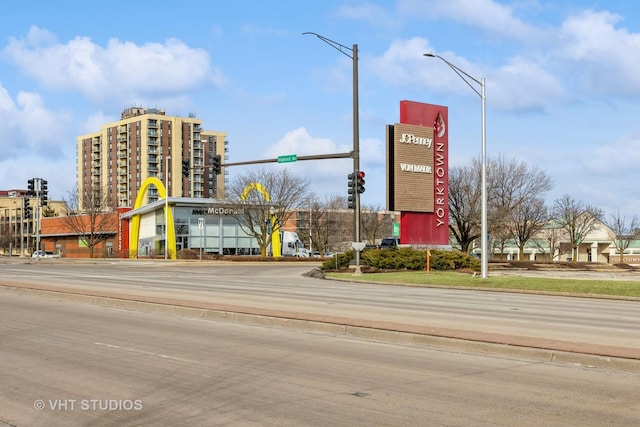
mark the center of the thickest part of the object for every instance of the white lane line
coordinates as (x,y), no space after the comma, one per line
(149,353)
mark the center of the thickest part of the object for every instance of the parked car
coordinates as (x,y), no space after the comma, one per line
(44,254)
(389,243)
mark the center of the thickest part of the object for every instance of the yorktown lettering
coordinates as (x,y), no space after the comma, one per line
(407,167)
(440,185)
(409,138)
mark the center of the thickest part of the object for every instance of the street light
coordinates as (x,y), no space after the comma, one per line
(481,94)
(166,207)
(356,132)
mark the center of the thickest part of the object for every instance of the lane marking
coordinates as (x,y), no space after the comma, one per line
(148,353)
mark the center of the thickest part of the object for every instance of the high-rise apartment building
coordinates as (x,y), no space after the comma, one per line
(148,143)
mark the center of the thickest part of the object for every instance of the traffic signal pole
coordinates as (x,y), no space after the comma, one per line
(38,188)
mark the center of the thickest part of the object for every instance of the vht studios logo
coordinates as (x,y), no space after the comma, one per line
(88,405)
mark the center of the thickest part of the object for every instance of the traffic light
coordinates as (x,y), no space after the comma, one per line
(27,208)
(31,189)
(44,192)
(217,164)
(351,200)
(185,168)
(360,182)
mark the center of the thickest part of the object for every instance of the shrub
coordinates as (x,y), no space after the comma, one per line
(405,259)
(338,261)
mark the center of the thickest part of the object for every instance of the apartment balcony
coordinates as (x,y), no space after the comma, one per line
(122,129)
(152,133)
(152,141)
(152,124)
(121,138)
(153,159)
(152,168)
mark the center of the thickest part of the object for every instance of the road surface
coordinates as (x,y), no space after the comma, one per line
(66,363)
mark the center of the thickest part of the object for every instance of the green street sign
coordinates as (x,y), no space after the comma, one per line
(288,158)
(396,229)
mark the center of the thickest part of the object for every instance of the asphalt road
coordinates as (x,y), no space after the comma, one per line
(557,325)
(69,364)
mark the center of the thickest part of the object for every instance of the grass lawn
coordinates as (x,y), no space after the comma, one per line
(585,287)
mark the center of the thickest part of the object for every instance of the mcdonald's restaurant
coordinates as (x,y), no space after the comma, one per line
(202,225)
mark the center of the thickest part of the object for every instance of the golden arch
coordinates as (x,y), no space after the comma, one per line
(275,233)
(259,188)
(135,220)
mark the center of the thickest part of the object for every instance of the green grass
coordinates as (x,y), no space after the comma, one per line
(587,287)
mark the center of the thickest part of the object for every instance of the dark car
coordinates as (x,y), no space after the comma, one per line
(389,243)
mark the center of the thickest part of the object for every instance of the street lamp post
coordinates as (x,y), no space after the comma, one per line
(481,94)
(166,207)
(356,132)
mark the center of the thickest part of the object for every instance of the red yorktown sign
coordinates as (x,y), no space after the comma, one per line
(425,219)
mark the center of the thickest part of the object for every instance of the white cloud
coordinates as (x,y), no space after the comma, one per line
(402,64)
(618,160)
(370,13)
(522,84)
(34,143)
(298,141)
(603,58)
(488,15)
(27,127)
(121,71)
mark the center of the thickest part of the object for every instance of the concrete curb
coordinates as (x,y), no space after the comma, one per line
(540,349)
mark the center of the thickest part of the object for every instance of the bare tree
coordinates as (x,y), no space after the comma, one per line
(90,216)
(329,225)
(552,235)
(576,218)
(464,204)
(514,189)
(373,223)
(623,232)
(260,192)
(7,236)
(526,220)
(516,199)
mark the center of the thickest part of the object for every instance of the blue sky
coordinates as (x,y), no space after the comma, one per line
(563,83)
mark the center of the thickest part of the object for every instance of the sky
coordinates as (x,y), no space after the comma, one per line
(562,83)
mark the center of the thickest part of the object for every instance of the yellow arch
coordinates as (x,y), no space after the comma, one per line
(258,187)
(135,220)
(276,247)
